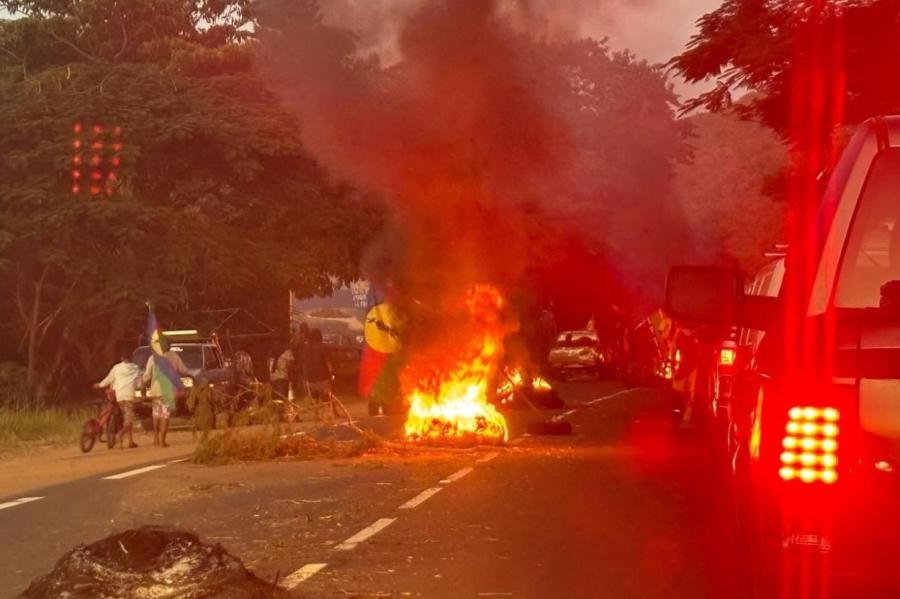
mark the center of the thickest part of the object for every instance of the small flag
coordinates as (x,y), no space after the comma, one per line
(165,376)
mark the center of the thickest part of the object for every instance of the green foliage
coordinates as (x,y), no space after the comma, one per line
(14,391)
(216,204)
(817,64)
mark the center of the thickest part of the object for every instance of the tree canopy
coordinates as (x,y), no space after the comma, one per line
(215,203)
(818,64)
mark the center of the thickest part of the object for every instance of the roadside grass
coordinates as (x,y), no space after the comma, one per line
(30,426)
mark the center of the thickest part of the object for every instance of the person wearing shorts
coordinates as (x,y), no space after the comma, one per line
(123,379)
(161,408)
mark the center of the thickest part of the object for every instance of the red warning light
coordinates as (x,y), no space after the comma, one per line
(103,160)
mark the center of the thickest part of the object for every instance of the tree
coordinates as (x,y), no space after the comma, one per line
(725,188)
(817,65)
(215,202)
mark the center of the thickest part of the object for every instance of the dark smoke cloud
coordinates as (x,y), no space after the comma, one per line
(494,147)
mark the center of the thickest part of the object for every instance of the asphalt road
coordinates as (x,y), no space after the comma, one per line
(625,507)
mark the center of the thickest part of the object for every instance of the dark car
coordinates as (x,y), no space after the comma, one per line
(203,357)
(815,413)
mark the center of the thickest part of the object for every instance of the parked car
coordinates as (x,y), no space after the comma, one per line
(578,352)
(815,413)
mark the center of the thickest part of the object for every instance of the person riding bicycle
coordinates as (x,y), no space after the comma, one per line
(123,379)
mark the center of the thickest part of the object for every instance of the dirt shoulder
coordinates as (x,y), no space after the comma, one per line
(25,471)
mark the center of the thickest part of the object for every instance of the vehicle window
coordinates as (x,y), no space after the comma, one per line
(191,355)
(211,358)
(576,340)
(872,254)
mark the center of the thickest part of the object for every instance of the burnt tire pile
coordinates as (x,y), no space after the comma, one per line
(151,562)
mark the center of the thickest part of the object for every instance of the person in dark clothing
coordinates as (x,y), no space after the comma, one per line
(298,343)
(317,369)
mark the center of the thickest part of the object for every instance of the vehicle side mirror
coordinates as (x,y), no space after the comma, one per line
(705,295)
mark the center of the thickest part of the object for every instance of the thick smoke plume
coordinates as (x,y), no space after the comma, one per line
(497,150)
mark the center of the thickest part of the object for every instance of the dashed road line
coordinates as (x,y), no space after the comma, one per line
(421,498)
(134,472)
(19,501)
(365,534)
(178,461)
(457,475)
(304,573)
(610,396)
(487,458)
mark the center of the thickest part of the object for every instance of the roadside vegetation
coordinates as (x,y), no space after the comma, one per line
(287,430)
(25,426)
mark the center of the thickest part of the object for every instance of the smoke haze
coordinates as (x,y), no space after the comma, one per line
(499,150)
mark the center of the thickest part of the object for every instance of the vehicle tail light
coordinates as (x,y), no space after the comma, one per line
(810,445)
(727,356)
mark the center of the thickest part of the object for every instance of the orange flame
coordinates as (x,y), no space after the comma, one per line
(452,405)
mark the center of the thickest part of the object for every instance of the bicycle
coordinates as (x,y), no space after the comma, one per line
(109,420)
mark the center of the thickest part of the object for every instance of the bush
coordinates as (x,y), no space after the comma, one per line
(14,392)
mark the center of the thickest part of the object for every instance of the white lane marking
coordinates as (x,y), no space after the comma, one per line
(610,396)
(134,472)
(19,501)
(420,498)
(487,458)
(457,475)
(178,461)
(304,573)
(365,533)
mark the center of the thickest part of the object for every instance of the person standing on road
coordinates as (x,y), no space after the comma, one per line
(123,379)
(282,371)
(317,370)
(163,401)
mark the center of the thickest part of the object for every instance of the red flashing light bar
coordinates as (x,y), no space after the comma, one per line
(102,157)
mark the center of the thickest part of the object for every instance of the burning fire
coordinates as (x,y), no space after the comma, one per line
(515,378)
(451,404)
